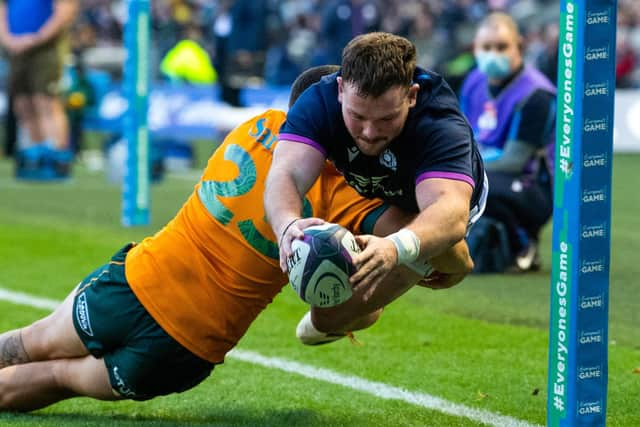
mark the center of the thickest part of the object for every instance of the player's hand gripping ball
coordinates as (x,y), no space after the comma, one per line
(321,264)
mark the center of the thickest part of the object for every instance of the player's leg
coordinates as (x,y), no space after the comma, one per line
(25,112)
(53,337)
(46,362)
(52,120)
(35,385)
(323,325)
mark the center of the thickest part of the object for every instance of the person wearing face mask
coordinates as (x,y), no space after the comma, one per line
(511,108)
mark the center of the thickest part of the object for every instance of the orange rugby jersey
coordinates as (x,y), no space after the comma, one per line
(212,269)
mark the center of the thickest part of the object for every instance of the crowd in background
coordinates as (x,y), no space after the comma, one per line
(271,41)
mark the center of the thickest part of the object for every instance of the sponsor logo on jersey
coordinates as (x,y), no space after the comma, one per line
(352,152)
(388,159)
(121,386)
(82,314)
(372,185)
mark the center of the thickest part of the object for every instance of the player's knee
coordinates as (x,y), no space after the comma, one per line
(336,320)
(365,321)
(330,320)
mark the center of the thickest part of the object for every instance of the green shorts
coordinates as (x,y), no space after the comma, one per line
(38,71)
(142,359)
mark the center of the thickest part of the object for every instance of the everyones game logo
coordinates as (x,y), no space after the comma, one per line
(598,18)
(591,337)
(596,125)
(593,196)
(597,53)
(594,160)
(589,372)
(596,89)
(594,302)
(593,231)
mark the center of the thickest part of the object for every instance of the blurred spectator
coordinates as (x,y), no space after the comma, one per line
(246,46)
(222,26)
(188,62)
(342,20)
(78,93)
(294,34)
(543,50)
(626,55)
(34,33)
(511,108)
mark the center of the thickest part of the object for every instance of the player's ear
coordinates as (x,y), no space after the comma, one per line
(413,94)
(339,80)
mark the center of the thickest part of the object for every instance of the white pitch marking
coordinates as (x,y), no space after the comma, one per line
(378,389)
(381,390)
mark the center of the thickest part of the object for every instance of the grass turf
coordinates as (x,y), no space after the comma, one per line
(482,344)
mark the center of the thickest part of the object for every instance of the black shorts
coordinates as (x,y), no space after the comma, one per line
(142,359)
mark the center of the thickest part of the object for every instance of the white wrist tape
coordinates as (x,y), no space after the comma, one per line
(407,245)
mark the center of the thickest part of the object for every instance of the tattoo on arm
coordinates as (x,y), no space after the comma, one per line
(12,350)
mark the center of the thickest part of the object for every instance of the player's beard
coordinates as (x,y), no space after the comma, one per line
(373,147)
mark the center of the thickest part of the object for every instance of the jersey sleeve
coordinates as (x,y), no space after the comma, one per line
(447,149)
(307,121)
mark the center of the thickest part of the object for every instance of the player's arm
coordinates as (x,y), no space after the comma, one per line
(64,13)
(444,214)
(455,260)
(294,169)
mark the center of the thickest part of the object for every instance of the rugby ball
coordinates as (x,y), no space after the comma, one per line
(321,264)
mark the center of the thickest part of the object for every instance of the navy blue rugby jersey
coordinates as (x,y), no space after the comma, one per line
(436,142)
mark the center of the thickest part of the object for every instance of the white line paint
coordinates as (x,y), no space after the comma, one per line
(26,299)
(378,389)
(381,390)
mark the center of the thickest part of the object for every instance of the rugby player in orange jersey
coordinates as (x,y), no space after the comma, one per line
(161,314)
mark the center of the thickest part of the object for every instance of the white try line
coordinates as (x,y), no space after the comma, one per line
(377,389)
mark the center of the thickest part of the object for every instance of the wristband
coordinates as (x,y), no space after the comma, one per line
(407,245)
(286,228)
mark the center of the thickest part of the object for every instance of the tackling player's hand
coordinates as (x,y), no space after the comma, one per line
(293,230)
(378,257)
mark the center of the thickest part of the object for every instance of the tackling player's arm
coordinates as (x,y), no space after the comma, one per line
(294,169)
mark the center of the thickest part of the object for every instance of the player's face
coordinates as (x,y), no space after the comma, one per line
(374,122)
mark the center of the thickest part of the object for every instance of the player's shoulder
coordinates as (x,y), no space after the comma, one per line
(315,109)
(435,93)
(269,119)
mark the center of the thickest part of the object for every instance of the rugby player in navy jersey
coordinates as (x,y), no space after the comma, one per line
(395,132)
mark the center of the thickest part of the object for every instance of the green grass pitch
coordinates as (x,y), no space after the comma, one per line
(482,344)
